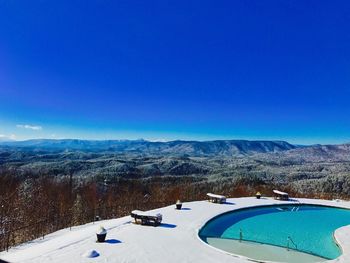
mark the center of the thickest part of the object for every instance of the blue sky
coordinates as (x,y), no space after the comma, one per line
(163,70)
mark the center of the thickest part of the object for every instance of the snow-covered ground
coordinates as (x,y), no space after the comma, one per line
(176,240)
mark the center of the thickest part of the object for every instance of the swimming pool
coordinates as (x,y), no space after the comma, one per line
(304,228)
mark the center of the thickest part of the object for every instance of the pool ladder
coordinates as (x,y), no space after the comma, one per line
(240,234)
(290,241)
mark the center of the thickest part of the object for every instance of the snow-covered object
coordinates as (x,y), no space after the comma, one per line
(101,231)
(91,254)
(178,205)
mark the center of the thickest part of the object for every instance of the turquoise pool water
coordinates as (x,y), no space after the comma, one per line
(306,228)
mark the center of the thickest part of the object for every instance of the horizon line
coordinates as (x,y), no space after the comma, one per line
(169,140)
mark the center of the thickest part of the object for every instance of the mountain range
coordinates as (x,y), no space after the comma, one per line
(175,148)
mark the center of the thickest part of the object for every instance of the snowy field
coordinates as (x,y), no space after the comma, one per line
(175,240)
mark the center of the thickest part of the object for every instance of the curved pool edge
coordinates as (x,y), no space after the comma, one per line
(237,209)
(231,254)
(341,235)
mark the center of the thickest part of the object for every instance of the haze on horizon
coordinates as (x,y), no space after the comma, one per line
(158,70)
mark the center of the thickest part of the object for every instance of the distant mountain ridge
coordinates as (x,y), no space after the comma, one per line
(314,154)
(176,148)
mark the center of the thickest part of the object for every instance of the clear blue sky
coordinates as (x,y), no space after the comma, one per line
(175,70)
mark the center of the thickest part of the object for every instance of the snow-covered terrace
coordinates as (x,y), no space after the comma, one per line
(176,240)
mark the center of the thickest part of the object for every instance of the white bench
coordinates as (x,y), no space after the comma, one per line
(216,198)
(281,195)
(146,218)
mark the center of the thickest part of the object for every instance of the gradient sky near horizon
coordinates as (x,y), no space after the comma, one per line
(164,70)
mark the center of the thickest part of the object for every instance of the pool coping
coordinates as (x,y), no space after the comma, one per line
(341,235)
